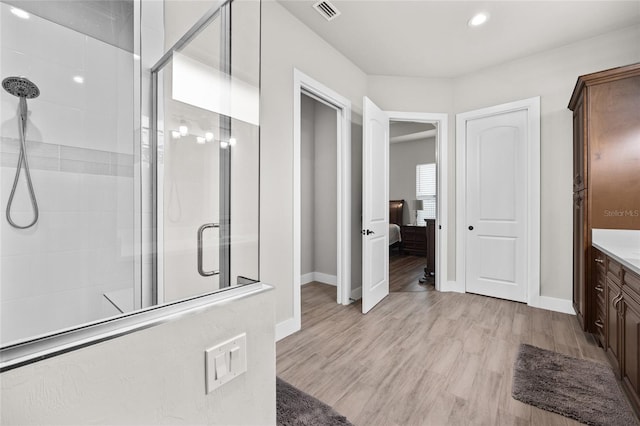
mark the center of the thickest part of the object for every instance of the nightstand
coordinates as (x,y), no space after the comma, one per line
(414,240)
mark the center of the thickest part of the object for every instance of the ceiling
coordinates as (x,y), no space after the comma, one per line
(432,39)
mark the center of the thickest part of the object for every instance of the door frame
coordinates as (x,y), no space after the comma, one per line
(441,121)
(532,106)
(304,84)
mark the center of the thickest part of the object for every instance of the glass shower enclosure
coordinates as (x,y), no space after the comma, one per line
(143,152)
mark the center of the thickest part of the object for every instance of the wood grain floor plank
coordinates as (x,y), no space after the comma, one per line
(423,358)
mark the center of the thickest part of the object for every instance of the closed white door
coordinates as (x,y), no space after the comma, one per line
(496,205)
(375,205)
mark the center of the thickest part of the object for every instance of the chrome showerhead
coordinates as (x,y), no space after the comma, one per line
(21,87)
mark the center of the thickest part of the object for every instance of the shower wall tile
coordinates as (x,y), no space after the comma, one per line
(101,130)
(38,149)
(41,39)
(80,146)
(85,155)
(35,162)
(84,167)
(62,309)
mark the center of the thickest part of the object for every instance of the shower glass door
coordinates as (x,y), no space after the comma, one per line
(206,113)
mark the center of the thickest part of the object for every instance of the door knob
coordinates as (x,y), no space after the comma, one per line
(370,232)
(470,228)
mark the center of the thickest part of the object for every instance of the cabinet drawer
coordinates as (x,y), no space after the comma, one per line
(614,270)
(599,261)
(632,282)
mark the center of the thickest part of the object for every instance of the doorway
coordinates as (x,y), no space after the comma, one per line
(498,201)
(375,199)
(304,84)
(412,205)
(318,180)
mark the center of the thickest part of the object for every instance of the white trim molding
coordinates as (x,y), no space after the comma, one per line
(532,106)
(553,304)
(319,277)
(356,293)
(304,84)
(441,121)
(286,328)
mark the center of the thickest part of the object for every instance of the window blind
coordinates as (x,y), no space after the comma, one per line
(426,191)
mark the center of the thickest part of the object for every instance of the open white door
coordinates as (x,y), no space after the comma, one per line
(375,205)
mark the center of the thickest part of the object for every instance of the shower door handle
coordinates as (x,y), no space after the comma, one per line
(201,230)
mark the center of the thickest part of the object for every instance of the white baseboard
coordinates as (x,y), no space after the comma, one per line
(553,304)
(452,286)
(356,293)
(286,328)
(542,302)
(307,278)
(318,277)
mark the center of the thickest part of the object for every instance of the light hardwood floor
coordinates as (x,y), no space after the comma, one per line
(405,272)
(423,358)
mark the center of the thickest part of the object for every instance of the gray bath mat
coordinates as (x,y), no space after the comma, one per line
(296,408)
(583,390)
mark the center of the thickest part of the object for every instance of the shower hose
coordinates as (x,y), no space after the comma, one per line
(22,161)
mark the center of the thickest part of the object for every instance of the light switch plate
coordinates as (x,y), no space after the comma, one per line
(231,357)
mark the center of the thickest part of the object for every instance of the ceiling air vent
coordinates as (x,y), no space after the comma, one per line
(327,10)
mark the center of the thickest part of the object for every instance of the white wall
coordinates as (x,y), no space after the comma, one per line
(288,44)
(434,95)
(154,376)
(318,173)
(552,76)
(307,184)
(80,150)
(326,193)
(403,159)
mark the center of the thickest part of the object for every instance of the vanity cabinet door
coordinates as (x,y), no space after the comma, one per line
(597,288)
(580,259)
(613,296)
(631,343)
(579,149)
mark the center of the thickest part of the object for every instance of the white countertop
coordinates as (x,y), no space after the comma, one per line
(621,244)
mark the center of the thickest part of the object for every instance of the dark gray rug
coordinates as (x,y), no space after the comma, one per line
(296,408)
(583,390)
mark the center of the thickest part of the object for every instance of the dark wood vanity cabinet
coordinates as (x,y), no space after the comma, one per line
(620,336)
(630,328)
(606,161)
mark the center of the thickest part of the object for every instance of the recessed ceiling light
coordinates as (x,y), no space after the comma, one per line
(78,79)
(20,13)
(478,19)
(208,136)
(184,130)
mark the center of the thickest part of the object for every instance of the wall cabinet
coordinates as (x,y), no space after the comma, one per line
(606,161)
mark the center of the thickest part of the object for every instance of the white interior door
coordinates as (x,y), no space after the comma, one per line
(375,205)
(496,205)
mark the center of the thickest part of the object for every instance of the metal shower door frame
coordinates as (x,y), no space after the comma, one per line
(224,12)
